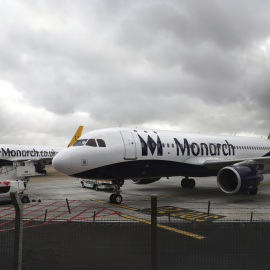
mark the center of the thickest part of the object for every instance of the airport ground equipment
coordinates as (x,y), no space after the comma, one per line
(18,170)
(8,186)
(97,184)
(114,185)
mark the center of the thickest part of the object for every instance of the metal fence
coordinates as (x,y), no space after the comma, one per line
(124,241)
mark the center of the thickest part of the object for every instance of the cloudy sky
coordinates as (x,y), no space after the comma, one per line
(193,66)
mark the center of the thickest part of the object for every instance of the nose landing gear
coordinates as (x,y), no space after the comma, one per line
(116,197)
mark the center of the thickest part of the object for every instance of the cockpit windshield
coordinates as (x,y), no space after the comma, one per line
(80,142)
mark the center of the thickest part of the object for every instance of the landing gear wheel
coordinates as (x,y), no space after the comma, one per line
(253,191)
(113,198)
(83,184)
(184,182)
(118,199)
(96,187)
(191,183)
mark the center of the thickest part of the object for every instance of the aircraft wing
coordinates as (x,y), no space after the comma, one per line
(220,163)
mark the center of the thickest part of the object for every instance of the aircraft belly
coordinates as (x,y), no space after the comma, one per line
(144,169)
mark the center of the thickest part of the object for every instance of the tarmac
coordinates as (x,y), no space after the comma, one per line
(199,228)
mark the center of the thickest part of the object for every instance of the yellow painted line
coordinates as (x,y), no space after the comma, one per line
(118,205)
(166,197)
(193,235)
(181,232)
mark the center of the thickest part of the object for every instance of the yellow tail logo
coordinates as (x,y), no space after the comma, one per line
(76,136)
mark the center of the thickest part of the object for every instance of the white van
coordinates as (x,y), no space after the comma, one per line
(7,186)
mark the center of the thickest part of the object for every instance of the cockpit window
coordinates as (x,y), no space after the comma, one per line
(101,143)
(92,142)
(80,142)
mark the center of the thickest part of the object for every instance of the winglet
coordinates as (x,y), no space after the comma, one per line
(76,136)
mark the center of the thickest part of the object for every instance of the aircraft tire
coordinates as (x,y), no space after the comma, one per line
(118,199)
(96,187)
(83,184)
(112,198)
(191,183)
(184,182)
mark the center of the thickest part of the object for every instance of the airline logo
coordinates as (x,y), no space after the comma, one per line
(7,152)
(187,148)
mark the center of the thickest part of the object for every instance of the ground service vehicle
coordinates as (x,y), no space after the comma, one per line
(7,186)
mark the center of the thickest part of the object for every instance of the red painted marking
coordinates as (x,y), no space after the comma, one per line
(13,212)
(72,218)
(43,213)
(6,209)
(80,213)
(25,214)
(62,214)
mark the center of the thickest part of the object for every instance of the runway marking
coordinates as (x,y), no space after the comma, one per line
(183,213)
(193,235)
(118,205)
(166,197)
(5,209)
(148,222)
(47,222)
(100,213)
(47,212)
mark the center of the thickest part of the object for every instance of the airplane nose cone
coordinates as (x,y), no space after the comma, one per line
(62,162)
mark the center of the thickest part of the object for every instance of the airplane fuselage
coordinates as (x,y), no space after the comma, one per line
(10,153)
(126,153)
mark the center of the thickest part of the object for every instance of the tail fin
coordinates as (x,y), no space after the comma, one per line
(76,136)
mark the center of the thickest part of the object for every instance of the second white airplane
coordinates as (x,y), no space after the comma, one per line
(145,156)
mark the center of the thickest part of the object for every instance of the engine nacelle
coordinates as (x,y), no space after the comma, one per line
(144,181)
(237,179)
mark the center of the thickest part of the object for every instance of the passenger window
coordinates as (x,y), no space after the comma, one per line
(163,145)
(168,145)
(101,143)
(92,142)
(172,145)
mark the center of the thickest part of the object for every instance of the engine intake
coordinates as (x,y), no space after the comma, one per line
(236,179)
(144,181)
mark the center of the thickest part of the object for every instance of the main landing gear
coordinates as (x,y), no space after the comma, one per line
(116,197)
(188,183)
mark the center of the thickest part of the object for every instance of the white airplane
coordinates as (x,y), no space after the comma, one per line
(145,156)
(40,155)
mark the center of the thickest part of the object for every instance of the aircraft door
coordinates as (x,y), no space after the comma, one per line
(129,144)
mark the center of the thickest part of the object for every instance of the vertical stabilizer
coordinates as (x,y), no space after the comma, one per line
(76,136)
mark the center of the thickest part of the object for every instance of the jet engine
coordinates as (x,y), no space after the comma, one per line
(237,179)
(145,181)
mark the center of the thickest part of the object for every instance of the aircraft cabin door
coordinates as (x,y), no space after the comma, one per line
(129,144)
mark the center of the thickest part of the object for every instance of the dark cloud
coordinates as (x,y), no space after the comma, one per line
(188,65)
